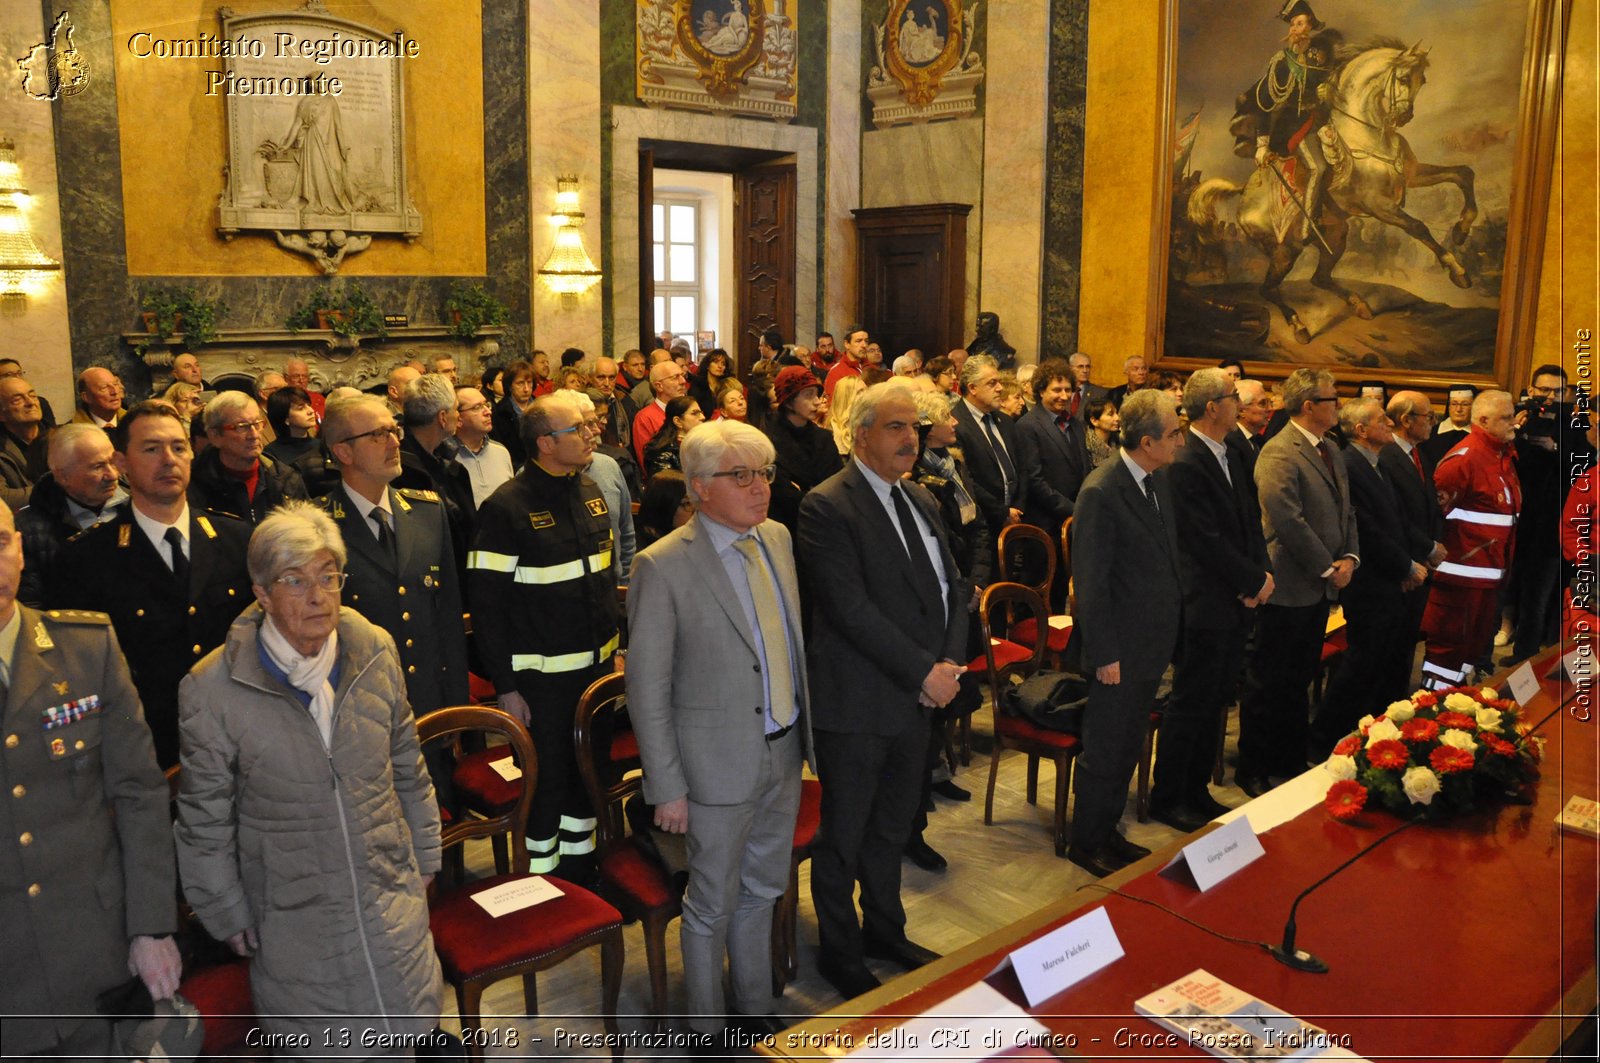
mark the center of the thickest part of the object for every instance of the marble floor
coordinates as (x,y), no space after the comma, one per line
(997,874)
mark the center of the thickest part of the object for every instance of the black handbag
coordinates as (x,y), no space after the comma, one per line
(1053,700)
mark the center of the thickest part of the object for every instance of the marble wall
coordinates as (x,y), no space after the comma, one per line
(842,177)
(1064,163)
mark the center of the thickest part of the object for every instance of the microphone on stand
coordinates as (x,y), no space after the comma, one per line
(1299,959)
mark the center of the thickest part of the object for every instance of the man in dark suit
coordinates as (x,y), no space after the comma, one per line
(401,567)
(1223,561)
(1056,439)
(88,881)
(172,577)
(1001,478)
(1312,545)
(1135,372)
(1255,410)
(888,628)
(1125,561)
(1374,603)
(1410,475)
(427,457)
(1086,395)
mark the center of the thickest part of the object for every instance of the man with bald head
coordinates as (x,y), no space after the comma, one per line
(79,491)
(99,397)
(668,382)
(399,377)
(1409,472)
(643,394)
(186,370)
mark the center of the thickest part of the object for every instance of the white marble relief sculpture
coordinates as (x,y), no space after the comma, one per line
(926,67)
(735,56)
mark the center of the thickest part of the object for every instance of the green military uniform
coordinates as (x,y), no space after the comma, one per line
(86,857)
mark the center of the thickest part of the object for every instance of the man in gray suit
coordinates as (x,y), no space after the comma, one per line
(1125,565)
(718,698)
(1311,542)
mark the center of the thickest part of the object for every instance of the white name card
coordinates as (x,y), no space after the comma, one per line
(507,769)
(1524,684)
(516,895)
(1064,957)
(1219,854)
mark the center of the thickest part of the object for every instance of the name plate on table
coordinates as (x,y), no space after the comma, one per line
(1524,684)
(1064,957)
(507,769)
(516,895)
(1216,856)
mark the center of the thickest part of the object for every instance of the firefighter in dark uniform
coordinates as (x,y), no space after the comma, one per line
(401,567)
(545,614)
(88,883)
(168,612)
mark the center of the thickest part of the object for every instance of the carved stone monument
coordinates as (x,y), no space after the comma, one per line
(731,56)
(926,67)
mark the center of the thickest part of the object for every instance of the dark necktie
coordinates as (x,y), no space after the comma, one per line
(385,534)
(1327,459)
(1008,470)
(180,563)
(1416,459)
(916,549)
(1062,422)
(1076,398)
(1150,496)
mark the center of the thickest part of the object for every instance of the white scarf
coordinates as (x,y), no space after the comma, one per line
(308,674)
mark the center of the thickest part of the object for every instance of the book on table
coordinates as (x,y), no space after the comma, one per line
(1202,1011)
(1581,816)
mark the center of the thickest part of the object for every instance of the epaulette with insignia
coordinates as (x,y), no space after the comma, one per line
(418,494)
(78,616)
(104,526)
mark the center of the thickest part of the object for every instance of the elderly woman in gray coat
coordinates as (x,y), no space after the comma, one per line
(307,830)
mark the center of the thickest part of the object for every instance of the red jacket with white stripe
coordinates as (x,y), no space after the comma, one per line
(1480,497)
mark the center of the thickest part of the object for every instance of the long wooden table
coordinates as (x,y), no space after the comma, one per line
(1475,937)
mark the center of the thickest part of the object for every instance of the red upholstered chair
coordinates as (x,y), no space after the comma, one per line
(477,950)
(1000,607)
(629,877)
(221,993)
(1028,557)
(786,918)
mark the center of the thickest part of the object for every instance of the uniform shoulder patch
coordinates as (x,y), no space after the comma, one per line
(418,494)
(78,616)
(223,514)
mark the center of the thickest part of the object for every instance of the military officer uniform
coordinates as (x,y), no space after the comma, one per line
(164,627)
(86,860)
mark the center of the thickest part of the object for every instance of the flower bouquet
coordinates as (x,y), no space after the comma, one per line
(1437,752)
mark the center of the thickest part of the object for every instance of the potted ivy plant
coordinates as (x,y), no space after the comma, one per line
(168,311)
(470,307)
(347,310)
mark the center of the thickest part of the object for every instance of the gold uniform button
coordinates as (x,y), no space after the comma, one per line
(11,741)
(408,644)
(402,592)
(405,616)
(230,592)
(191,610)
(78,744)
(25,838)
(411,669)
(19,790)
(138,612)
(34,890)
(197,649)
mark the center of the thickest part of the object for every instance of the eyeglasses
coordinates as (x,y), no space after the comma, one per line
(1324,398)
(474,408)
(300,586)
(7,374)
(1428,416)
(586,427)
(744,477)
(388,431)
(244,427)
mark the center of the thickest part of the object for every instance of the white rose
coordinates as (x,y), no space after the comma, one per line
(1489,720)
(1341,768)
(1381,731)
(1458,739)
(1400,711)
(1364,723)
(1420,784)
(1461,703)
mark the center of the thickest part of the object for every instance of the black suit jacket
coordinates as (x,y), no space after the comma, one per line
(1417,498)
(1222,551)
(1247,446)
(415,598)
(1125,567)
(1385,552)
(987,480)
(875,632)
(164,629)
(1061,459)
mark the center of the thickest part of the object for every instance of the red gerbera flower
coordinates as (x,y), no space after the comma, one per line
(1348,745)
(1418,729)
(1498,746)
(1447,759)
(1458,720)
(1388,754)
(1424,700)
(1345,799)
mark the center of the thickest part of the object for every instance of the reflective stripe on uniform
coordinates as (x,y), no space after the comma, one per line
(562,662)
(490,561)
(577,826)
(544,574)
(1450,568)
(1468,516)
(578,848)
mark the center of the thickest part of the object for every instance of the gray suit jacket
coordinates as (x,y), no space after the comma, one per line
(1307,516)
(695,686)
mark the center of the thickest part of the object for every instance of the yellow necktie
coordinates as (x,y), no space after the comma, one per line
(780,684)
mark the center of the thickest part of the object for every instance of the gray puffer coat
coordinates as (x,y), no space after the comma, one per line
(321,850)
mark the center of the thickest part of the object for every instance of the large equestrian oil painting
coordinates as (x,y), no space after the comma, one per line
(1343,182)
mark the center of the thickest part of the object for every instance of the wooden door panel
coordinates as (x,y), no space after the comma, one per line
(764,236)
(647,280)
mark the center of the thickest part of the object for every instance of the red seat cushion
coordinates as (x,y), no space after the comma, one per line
(1334,645)
(222,996)
(479,689)
(1021,729)
(624,748)
(810,816)
(480,787)
(636,879)
(1022,631)
(471,943)
(1005,652)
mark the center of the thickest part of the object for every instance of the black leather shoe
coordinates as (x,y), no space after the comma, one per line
(1253,785)
(1124,850)
(1208,806)
(1188,820)
(1099,863)
(906,953)
(925,856)
(849,979)
(951,792)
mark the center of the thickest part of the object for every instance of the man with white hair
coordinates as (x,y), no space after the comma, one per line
(1134,371)
(727,777)
(79,491)
(907,366)
(233,476)
(607,474)
(427,456)
(1481,497)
